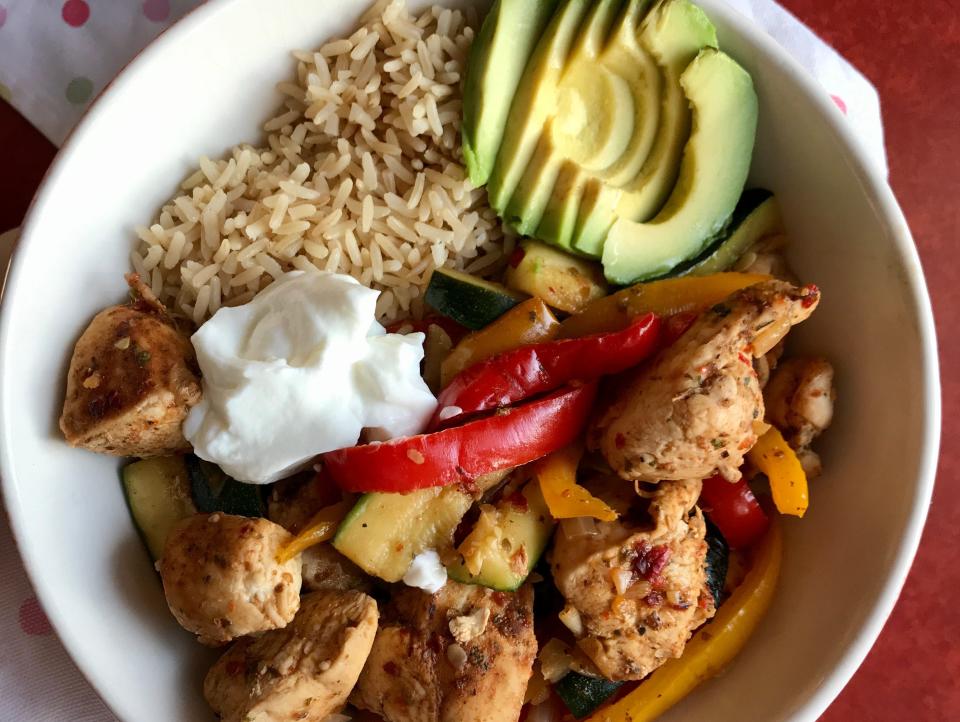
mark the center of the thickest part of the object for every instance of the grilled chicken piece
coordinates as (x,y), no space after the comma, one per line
(222,579)
(324,568)
(639,585)
(690,413)
(304,671)
(799,399)
(132,380)
(464,653)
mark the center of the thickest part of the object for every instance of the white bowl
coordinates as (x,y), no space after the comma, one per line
(197,90)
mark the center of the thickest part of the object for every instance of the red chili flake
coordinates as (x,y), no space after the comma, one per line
(619,441)
(811,295)
(391,669)
(651,561)
(654,599)
(743,357)
(518,500)
(517,256)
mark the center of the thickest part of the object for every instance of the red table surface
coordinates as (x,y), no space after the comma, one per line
(911,52)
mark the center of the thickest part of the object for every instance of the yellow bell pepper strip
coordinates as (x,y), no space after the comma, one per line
(319,529)
(664,298)
(529,322)
(788,482)
(565,498)
(713,646)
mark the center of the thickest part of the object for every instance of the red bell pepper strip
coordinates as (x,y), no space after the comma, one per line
(735,511)
(523,372)
(508,438)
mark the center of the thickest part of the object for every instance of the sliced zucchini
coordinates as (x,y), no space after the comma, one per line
(157,491)
(756,216)
(384,532)
(717,561)
(214,491)
(469,300)
(561,280)
(508,541)
(582,694)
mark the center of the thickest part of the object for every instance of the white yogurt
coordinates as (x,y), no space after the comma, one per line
(300,370)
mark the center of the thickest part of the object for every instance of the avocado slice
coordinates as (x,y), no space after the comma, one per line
(495,65)
(756,216)
(534,101)
(573,124)
(673,32)
(716,160)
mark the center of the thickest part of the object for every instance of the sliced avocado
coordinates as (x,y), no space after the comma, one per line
(562,281)
(673,33)
(716,160)
(534,101)
(573,127)
(560,215)
(756,216)
(497,59)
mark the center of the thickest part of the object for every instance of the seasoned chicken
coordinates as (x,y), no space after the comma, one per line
(690,412)
(639,584)
(222,579)
(132,380)
(324,568)
(799,399)
(304,671)
(464,653)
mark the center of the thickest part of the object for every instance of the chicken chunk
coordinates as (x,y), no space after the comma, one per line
(639,585)
(799,399)
(304,671)
(464,653)
(690,412)
(222,579)
(324,568)
(132,380)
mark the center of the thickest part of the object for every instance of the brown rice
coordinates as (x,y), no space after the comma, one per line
(361,174)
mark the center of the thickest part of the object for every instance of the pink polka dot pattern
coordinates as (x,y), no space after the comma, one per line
(33,620)
(75,13)
(156,10)
(3,15)
(840,104)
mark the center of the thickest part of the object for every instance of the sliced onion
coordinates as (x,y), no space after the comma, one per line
(555,661)
(770,335)
(570,617)
(448,412)
(579,527)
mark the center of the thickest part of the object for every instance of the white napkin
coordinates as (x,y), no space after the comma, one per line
(54,59)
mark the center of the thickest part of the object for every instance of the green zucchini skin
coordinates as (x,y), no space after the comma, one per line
(582,695)
(470,301)
(717,561)
(213,490)
(157,492)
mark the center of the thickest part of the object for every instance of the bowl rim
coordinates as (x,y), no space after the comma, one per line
(865,169)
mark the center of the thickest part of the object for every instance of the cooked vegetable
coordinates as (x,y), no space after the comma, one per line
(469,300)
(516,375)
(530,322)
(734,509)
(712,647)
(384,532)
(565,282)
(509,438)
(565,498)
(582,694)
(321,527)
(214,491)
(756,216)
(506,542)
(158,495)
(788,482)
(664,298)
(717,562)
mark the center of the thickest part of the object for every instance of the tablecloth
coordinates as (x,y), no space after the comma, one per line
(55,57)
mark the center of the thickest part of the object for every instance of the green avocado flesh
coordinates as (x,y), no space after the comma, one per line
(713,171)
(498,57)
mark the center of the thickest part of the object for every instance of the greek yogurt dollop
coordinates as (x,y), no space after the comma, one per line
(298,371)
